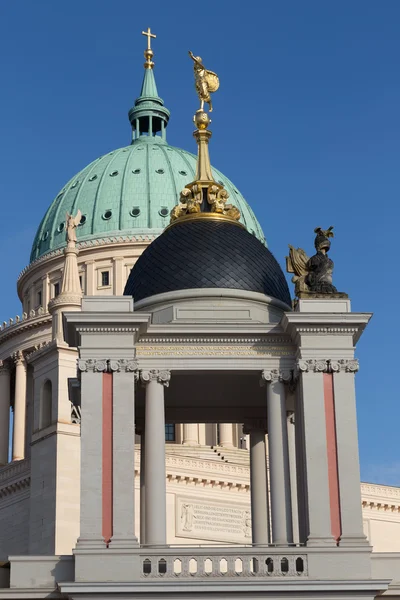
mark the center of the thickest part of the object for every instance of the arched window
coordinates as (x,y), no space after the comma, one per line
(45,404)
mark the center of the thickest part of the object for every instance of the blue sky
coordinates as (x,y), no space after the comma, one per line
(306,123)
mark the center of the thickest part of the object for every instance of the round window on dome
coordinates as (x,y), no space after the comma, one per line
(75,183)
(93,178)
(114,174)
(220,182)
(160,171)
(107,215)
(182,172)
(83,220)
(45,236)
(135,212)
(136,171)
(164,212)
(60,228)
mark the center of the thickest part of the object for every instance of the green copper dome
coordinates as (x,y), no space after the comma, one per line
(132,190)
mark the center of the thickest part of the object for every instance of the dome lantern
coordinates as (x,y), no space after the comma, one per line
(148,116)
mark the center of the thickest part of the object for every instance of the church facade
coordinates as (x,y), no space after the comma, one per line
(179,426)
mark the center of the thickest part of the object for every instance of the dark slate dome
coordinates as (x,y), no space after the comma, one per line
(206,253)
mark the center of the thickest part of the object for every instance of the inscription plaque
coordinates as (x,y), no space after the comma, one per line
(213,521)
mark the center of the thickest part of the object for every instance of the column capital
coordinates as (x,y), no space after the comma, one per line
(162,377)
(274,375)
(91,365)
(326,365)
(18,358)
(122,364)
(254,424)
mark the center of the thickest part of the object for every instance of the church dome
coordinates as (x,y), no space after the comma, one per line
(126,192)
(206,253)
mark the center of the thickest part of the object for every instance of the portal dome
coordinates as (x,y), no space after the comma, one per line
(128,191)
(206,253)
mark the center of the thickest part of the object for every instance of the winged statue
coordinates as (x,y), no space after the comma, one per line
(71,223)
(312,275)
(296,263)
(206,82)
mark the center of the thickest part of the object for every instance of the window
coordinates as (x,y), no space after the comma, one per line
(56,289)
(45,405)
(170,432)
(105,278)
(81,282)
(39,298)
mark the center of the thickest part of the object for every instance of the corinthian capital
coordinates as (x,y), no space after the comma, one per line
(274,375)
(162,377)
(18,358)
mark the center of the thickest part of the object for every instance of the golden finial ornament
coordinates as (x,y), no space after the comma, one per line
(204,197)
(148,53)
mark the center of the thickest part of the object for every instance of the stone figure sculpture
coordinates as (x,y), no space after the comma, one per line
(206,82)
(71,224)
(313,275)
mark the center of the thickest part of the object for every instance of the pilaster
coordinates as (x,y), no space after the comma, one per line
(91,372)
(123,431)
(352,532)
(315,459)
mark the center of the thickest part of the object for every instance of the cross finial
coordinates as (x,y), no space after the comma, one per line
(148,53)
(149,35)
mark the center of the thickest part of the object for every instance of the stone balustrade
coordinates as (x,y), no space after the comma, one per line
(202,563)
(39,312)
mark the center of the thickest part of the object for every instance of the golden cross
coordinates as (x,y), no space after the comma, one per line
(149,36)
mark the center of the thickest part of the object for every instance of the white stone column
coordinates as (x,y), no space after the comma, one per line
(281,510)
(91,516)
(226,435)
(259,487)
(348,454)
(124,535)
(19,407)
(156,504)
(190,434)
(4,412)
(142,487)
(315,460)
(293,474)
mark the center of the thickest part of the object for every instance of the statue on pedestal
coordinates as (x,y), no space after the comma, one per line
(313,276)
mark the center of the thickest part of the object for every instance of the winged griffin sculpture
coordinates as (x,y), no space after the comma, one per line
(312,275)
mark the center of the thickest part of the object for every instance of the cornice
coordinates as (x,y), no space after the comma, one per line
(299,324)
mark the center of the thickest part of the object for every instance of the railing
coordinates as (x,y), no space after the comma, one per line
(228,563)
